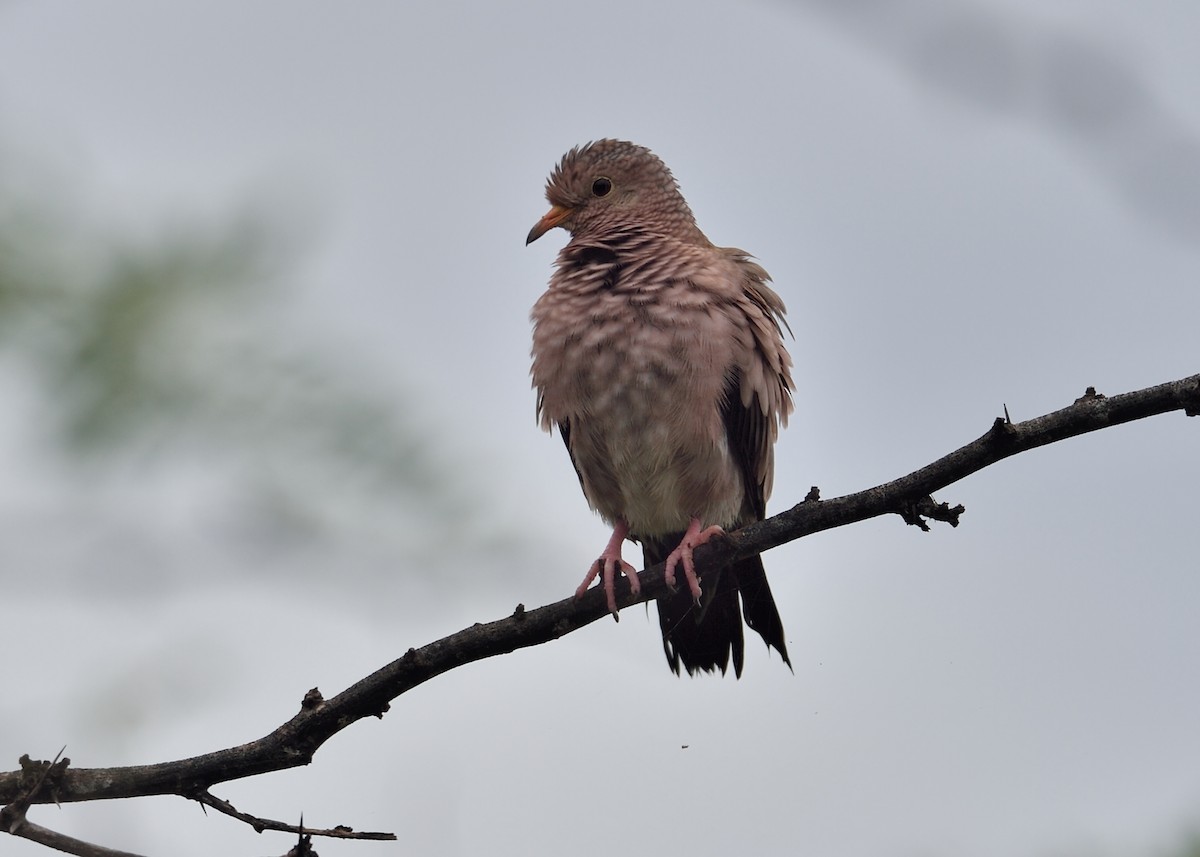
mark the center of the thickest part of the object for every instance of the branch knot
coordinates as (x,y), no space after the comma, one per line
(914,513)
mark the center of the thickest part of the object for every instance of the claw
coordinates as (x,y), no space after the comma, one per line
(607,565)
(682,555)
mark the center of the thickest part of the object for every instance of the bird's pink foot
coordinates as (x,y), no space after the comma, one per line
(682,555)
(607,565)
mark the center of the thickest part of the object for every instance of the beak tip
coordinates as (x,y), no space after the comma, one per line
(554,217)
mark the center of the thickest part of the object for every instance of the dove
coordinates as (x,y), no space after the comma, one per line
(659,359)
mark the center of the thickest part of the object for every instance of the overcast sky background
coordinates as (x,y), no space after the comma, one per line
(964,205)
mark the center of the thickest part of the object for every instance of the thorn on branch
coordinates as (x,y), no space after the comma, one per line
(303,848)
(915,513)
(34,775)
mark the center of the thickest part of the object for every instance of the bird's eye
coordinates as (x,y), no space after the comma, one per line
(601,186)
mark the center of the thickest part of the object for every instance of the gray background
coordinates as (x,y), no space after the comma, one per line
(964,205)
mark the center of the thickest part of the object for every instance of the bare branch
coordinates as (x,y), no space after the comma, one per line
(1090,412)
(67,844)
(206,798)
(296,741)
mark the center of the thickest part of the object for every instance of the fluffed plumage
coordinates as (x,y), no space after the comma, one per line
(659,358)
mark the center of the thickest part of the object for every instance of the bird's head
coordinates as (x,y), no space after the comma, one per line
(611,186)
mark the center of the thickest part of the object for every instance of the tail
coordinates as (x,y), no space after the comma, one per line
(703,637)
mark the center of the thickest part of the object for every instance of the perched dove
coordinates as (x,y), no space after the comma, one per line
(659,358)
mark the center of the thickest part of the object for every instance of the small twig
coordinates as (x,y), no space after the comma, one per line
(66,844)
(207,798)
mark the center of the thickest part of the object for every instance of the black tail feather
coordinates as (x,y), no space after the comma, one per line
(758,605)
(704,637)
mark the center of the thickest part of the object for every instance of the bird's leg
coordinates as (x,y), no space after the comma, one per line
(607,566)
(682,555)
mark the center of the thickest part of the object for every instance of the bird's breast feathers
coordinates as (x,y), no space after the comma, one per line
(637,362)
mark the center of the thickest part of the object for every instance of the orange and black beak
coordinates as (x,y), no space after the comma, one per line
(554,217)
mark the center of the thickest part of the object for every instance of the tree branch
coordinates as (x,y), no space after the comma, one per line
(296,741)
(1090,412)
(66,844)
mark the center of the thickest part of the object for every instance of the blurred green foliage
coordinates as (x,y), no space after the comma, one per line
(179,350)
